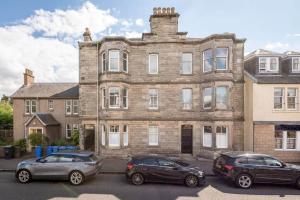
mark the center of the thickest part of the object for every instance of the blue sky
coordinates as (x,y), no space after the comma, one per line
(269,24)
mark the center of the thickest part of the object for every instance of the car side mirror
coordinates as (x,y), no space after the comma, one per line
(283,165)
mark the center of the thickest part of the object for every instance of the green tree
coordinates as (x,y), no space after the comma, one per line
(6,114)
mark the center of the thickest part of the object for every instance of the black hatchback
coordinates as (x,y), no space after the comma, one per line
(142,169)
(244,169)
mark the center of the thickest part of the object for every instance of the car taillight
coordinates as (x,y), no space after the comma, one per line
(228,167)
(129,166)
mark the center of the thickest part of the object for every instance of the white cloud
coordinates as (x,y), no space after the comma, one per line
(46,43)
(139,22)
(277,46)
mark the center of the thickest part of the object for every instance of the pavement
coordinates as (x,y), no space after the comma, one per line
(116,187)
(111,165)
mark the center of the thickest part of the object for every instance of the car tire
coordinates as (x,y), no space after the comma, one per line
(298,183)
(76,178)
(24,176)
(191,181)
(137,179)
(244,181)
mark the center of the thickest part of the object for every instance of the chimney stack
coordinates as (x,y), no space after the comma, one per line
(28,77)
(87,35)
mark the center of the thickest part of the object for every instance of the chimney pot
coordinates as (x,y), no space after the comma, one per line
(172,10)
(87,35)
(154,11)
(169,10)
(164,11)
(159,10)
(28,77)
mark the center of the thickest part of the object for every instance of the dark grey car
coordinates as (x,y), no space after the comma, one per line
(72,166)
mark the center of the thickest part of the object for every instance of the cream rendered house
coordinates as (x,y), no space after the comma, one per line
(272,113)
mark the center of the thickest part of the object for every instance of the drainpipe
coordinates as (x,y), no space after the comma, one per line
(97,124)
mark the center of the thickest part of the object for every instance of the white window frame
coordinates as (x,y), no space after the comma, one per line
(284,142)
(109,60)
(125,97)
(103,63)
(227,97)
(220,136)
(125,135)
(188,105)
(295,97)
(68,129)
(34,128)
(211,97)
(282,97)
(103,134)
(75,105)
(75,127)
(206,136)
(190,62)
(27,106)
(118,97)
(203,60)
(125,59)
(151,96)
(51,104)
(117,134)
(154,132)
(149,63)
(31,106)
(226,57)
(68,104)
(268,65)
(103,98)
(293,62)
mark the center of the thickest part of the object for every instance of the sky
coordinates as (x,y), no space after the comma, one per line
(43,35)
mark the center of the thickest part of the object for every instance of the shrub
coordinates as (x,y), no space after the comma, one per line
(37,139)
(59,142)
(75,138)
(22,144)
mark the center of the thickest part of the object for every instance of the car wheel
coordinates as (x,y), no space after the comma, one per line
(244,181)
(298,183)
(191,181)
(24,176)
(137,179)
(76,178)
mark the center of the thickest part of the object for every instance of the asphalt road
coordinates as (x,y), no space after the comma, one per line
(113,187)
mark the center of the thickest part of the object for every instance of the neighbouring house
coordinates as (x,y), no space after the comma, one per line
(272,113)
(48,108)
(162,93)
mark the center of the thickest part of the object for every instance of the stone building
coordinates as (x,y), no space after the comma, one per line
(162,93)
(272,115)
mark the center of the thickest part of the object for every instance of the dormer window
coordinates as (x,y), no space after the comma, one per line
(296,65)
(268,64)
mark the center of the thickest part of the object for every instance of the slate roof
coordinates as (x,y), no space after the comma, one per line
(275,79)
(48,90)
(46,119)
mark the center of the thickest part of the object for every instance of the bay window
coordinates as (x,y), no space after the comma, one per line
(187,63)
(207,98)
(153,135)
(153,63)
(278,98)
(187,97)
(221,137)
(114,97)
(125,98)
(103,98)
(103,57)
(103,134)
(221,97)
(114,56)
(114,136)
(153,98)
(207,60)
(207,136)
(125,62)
(221,58)
(125,135)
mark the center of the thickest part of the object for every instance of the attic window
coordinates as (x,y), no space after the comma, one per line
(268,64)
(296,65)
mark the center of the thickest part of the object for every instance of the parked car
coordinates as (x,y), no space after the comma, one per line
(72,166)
(245,169)
(142,169)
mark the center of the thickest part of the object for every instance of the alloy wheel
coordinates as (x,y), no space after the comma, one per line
(137,179)
(24,176)
(191,181)
(76,178)
(244,181)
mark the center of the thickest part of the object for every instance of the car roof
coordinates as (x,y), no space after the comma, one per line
(235,154)
(74,153)
(141,157)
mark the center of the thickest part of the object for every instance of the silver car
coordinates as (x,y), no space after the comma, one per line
(72,166)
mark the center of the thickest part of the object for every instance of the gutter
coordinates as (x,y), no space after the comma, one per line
(97,124)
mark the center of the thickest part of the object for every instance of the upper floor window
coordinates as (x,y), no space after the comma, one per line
(207,60)
(114,56)
(153,63)
(50,104)
(292,94)
(125,62)
(221,58)
(104,67)
(114,97)
(30,106)
(187,63)
(268,64)
(33,106)
(104,98)
(221,97)
(125,98)
(187,97)
(296,65)
(27,107)
(278,98)
(153,98)
(75,107)
(68,107)
(207,98)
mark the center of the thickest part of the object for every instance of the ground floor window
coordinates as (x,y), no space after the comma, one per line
(222,137)
(68,131)
(114,136)
(207,136)
(35,130)
(125,135)
(103,133)
(153,135)
(287,140)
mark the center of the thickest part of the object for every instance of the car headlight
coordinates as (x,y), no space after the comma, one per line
(200,173)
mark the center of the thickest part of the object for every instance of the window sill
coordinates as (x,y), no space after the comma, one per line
(288,150)
(285,111)
(153,109)
(113,72)
(186,74)
(153,146)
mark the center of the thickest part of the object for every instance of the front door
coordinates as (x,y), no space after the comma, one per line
(89,137)
(187,139)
